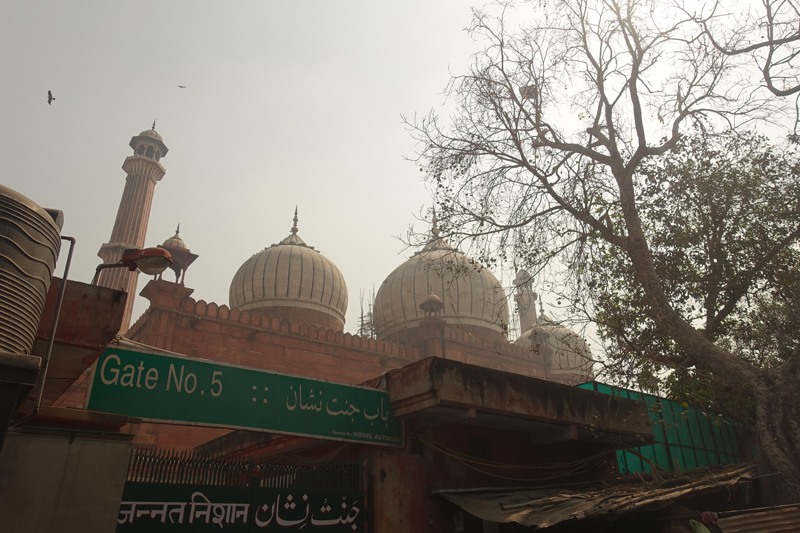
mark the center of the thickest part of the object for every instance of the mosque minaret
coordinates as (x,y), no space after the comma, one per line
(566,353)
(130,228)
(526,300)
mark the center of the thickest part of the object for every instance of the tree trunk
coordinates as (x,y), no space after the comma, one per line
(775,391)
(777,398)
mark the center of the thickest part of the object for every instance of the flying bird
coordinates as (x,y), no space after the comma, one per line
(50,98)
(181,86)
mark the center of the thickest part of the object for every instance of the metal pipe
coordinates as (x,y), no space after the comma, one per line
(722,514)
(102,267)
(52,338)
(56,316)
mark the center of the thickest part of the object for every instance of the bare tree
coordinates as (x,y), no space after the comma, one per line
(540,157)
(768,35)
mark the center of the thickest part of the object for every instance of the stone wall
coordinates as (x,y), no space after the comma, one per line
(460,345)
(208,331)
(178,323)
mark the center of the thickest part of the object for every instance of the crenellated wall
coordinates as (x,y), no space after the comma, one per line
(214,332)
(460,345)
(210,331)
(177,322)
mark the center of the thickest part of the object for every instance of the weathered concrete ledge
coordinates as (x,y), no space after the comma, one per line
(434,383)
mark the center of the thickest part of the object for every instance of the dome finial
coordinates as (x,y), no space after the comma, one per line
(435,242)
(154,124)
(293,237)
(541,307)
(175,241)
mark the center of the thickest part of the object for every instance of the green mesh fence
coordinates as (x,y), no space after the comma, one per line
(692,436)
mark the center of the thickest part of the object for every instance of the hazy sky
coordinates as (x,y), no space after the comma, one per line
(290,103)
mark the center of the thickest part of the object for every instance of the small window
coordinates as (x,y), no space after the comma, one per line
(140,151)
(150,151)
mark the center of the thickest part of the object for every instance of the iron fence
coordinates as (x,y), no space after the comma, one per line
(151,465)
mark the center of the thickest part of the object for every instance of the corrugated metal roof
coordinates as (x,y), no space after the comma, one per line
(775,520)
(547,507)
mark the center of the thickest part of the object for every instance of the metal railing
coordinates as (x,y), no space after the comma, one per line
(149,465)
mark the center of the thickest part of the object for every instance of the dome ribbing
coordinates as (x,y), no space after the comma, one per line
(471,294)
(290,274)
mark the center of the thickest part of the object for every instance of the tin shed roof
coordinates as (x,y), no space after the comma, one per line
(775,520)
(547,507)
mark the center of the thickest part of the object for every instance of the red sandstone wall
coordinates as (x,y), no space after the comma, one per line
(76,393)
(208,331)
(171,436)
(212,332)
(461,346)
(401,499)
(180,324)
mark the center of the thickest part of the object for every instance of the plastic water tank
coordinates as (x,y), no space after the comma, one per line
(30,239)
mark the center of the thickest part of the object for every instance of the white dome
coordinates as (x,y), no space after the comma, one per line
(175,241)
(471,294)
(570,353)
(290,274)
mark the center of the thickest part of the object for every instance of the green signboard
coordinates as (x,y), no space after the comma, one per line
(160,507)
(183,390)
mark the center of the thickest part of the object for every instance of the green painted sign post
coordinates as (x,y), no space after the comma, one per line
(182,390)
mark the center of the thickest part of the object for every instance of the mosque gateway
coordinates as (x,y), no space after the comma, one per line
(437,359)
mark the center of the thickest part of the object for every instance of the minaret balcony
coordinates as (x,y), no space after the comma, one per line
(139,164)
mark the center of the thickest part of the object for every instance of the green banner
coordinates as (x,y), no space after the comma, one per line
(190,391)
(160,507)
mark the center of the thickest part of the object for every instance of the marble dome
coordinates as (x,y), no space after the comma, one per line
(472,296)
(293,280)
(175,241)
(570,355)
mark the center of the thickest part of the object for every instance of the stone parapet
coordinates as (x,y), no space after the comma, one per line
(143,166)
(463,346)
(457,334)
(155,325)
(190,307)
(222,312)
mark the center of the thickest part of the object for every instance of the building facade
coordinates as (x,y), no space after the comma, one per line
(488,427)
(287,308)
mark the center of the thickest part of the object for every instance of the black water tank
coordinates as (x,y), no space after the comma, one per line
(30,238)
